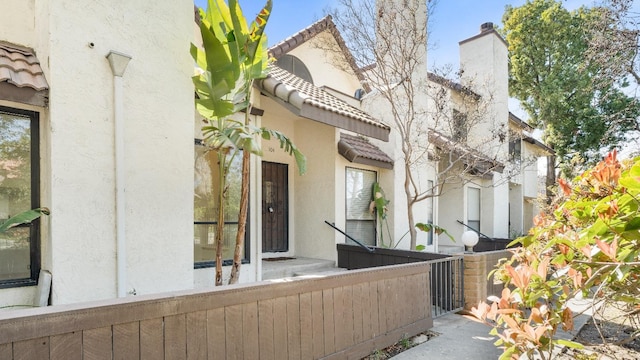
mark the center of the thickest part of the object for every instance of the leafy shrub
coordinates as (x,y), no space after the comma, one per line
(588,244)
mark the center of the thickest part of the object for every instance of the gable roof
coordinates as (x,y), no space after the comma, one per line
(304,35)
(531,140)
(309,101)
(21,77)
(482,164)
(452,85)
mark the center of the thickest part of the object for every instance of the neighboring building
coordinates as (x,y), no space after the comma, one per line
(112,156)
(525,186)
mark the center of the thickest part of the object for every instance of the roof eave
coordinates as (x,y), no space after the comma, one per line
(344,122)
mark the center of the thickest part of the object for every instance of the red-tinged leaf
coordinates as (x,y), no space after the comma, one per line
(480,312)
(567,319)
(530,333)
(508,311)
(608,250)
(493,312)
(543,267)
(566,189)
(586,251)
(536,316)
(512,323)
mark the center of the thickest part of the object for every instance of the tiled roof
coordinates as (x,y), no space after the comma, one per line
(302,36)
(452,85)
(20,67)
(358,149)
(483,164)
(314,103)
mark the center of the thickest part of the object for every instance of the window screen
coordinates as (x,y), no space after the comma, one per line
(361,223)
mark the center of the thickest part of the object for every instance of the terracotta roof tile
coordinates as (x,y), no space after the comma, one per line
(289,88)
(358,149)
(20,66)
(302,36)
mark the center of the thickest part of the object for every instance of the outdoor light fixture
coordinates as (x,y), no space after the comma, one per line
(470,239)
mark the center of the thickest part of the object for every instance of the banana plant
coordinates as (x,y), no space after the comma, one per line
(232,56)
(24,217)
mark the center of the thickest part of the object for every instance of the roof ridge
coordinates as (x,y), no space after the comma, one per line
(300,37)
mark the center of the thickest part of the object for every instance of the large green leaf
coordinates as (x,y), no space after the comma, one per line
(24,217)
(437,229)
(288,146)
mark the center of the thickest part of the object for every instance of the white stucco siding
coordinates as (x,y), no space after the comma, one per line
(452,207)
(422,169)
(530,171)
(158,114)
(316,191)
(17,19)
(327,68)
(484,60)
(516,208)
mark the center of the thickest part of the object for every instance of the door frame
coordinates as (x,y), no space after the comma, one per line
(290,244)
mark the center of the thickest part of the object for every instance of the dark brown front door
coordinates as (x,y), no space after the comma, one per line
(275,207)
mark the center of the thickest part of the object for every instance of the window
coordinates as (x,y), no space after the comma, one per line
(361,223)
(295,66)
(515,149)
(206,187)
(19,191)
(473,208)
(459,126)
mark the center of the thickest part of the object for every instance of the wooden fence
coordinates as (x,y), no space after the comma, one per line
(447,289)
(342,316)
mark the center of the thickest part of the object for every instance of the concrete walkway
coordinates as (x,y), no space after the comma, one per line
(459,339)
(464,339)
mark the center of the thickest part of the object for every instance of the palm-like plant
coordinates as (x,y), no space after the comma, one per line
(24,217)
(232,56)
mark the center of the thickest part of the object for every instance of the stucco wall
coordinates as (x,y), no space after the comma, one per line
(515,210)
(327,69)
(158,115)
(18,22)
(316,191)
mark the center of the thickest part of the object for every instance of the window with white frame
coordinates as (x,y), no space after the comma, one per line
(19,191)
(361,223)
(473,208)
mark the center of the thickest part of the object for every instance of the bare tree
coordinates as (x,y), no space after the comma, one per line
(441,125)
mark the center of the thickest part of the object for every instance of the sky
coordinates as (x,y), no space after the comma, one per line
(452,21)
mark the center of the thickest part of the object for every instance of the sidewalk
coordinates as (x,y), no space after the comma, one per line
(464,339)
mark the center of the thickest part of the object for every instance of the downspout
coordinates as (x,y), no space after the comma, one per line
(118,63)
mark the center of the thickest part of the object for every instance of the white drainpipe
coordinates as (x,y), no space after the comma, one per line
(118,63)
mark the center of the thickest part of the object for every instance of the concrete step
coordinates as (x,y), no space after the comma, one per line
(320,272)
(289,267)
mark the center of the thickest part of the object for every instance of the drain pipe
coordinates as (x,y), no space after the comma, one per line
(118,63)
